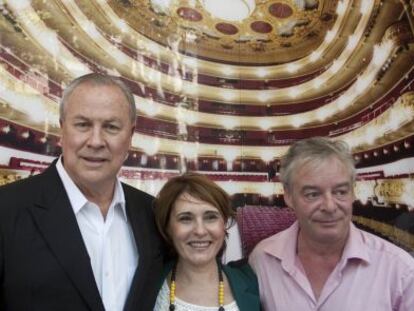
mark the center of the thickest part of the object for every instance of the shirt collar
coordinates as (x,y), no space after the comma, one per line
(285,251)
(76,197)
(355,247)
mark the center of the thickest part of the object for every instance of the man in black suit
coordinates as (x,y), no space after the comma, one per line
(74,237)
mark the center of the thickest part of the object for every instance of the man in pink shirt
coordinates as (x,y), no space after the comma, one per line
(323,262)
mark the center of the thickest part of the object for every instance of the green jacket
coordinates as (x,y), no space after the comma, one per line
(243,283)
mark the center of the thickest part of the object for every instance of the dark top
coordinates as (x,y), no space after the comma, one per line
(44,264)
(242,280)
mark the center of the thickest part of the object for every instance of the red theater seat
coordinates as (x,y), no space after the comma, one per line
(259,222)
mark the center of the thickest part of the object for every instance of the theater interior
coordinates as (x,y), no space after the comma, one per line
(223,88)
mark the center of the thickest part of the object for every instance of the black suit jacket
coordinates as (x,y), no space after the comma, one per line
(44,264)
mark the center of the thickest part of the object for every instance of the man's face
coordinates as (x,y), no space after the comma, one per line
(96,135)
(322,196)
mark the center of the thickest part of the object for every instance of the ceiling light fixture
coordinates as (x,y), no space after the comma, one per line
(292,67)
(341,8)
(261,72)
(315,55)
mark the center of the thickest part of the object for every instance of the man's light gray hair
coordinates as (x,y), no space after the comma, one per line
(315,149)
(98,79)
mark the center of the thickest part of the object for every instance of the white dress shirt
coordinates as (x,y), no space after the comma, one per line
(110,242)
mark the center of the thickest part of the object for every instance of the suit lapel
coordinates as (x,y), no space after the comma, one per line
(57,223)
(139,227)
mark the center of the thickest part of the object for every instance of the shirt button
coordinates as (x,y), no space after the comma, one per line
(106,273)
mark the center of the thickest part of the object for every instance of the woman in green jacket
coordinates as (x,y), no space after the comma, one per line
(192,214)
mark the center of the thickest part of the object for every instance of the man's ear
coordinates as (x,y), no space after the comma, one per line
(353,191)
(131,135)
(287,196)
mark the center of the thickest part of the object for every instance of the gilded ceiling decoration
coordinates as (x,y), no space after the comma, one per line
(202,93)
(288,29)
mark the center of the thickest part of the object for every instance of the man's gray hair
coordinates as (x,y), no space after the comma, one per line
(98,79)
(315,149)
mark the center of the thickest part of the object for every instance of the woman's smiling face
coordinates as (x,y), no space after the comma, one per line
(197,230)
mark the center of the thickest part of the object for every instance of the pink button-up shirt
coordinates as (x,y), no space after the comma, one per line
(372,275)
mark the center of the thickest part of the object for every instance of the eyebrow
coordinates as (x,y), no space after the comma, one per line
(184,213)
(80,117)
(211,212)
(85,118)
(190,213)
(310,187)
(344,184)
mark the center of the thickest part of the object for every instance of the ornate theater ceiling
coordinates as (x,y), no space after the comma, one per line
(279,31)
(222,78)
